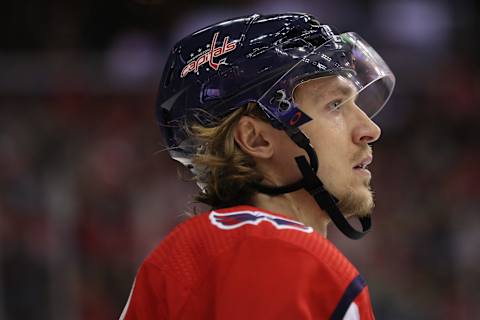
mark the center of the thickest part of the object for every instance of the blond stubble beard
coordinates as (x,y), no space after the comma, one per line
(357,203)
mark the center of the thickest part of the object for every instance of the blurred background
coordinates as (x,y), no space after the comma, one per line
(85,193)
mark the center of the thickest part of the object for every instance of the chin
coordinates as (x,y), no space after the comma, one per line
(357,203)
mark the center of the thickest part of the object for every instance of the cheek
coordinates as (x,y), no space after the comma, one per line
(331,142)
(329,138)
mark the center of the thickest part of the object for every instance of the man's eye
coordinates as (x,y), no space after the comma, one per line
(334,105)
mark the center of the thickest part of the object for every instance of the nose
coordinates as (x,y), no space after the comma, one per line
(365,130)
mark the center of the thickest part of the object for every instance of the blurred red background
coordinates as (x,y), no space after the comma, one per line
(85,191)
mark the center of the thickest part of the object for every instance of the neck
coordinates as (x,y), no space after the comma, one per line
(298,205)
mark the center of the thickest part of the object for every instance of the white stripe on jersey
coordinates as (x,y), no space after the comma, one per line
(124,312)
(352,312)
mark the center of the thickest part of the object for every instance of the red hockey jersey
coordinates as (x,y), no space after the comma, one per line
(247,263)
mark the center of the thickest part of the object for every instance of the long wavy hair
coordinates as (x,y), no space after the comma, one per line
(226,173)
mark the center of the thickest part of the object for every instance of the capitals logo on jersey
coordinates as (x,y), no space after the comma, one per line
(233,220)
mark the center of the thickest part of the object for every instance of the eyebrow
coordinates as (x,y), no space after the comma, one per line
(342,89)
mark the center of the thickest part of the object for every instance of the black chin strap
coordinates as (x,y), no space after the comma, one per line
(303,142)
(314,186)
(327,202)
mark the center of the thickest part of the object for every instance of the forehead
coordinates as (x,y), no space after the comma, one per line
(324,86)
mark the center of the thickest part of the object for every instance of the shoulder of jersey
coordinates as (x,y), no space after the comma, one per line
(201,238)
(191,248)
(240,223)
(231,225)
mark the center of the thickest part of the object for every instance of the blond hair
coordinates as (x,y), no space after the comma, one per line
(226,172)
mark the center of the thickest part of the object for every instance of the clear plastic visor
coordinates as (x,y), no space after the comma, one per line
(344,69)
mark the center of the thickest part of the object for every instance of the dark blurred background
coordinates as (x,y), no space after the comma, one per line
(85,193)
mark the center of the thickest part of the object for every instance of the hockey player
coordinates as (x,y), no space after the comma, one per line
(272,114)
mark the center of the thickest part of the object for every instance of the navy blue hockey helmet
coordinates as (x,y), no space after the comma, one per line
(261,59)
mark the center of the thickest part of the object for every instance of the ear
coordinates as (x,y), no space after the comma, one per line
(254,138)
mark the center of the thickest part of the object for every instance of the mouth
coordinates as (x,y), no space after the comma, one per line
(361,167)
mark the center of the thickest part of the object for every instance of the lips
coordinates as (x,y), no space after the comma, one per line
(363,163)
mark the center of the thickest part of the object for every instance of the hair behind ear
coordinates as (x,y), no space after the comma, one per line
(226,171)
